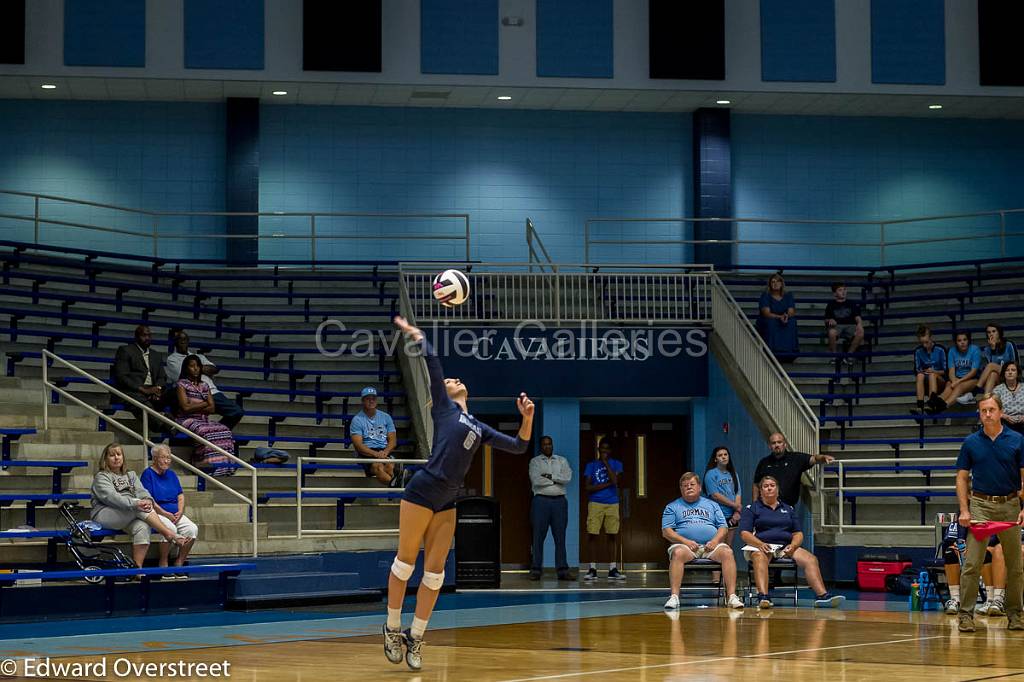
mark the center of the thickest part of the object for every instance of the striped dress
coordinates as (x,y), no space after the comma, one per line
(203,456)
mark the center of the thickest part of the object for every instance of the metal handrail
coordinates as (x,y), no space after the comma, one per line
(881,244)
(805,438)
(144,436)
(839,486)
(299,489)
(533,236)
(155,235)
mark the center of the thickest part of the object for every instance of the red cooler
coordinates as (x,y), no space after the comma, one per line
(872,570)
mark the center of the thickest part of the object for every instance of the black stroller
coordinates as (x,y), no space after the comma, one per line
(87,553)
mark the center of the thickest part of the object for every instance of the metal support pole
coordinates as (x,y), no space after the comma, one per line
(312,239)
(298,497)
(1002,234)
(467,238)
(255,516)
(156,236)
(586,242)
(46,391)
(881,255)
(842,500)
(37,220)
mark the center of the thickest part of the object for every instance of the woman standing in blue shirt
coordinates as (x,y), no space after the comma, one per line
(994,355)
(722,485)
(427,512)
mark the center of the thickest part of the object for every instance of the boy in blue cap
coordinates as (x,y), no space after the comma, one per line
(374,437)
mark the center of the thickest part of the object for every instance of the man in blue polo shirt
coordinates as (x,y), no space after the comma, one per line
(374,436)
(695,528)
(988,484)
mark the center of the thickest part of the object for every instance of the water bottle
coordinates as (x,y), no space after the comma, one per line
(915,597)
(925,585)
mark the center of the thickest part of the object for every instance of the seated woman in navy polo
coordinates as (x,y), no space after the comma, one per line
(773,528)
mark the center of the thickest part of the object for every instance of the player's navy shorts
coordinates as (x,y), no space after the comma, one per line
(428,491)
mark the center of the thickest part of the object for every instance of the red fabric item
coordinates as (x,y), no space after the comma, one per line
(985,529)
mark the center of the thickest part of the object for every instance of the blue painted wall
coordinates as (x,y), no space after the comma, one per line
(459,37)
(558,168)
(574,38)
(908,42)
(158,156)
(561,420)
(227,34)
(105,33)
(798,40)
(872,169)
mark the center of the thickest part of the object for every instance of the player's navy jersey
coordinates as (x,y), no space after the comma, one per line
(954,532)
(457,435)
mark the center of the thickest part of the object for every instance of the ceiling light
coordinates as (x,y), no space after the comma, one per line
(722,101)
(934,106)
(504,98)
(48,86)
(279,92)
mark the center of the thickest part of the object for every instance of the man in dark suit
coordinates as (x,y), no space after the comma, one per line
(139,372)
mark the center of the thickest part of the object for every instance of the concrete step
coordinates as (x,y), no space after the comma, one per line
(293,584)
(35,421)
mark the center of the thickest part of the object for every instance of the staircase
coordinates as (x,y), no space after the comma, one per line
(909,303)
(75,435)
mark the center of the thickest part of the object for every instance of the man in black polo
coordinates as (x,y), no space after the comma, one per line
(786,467)
(988,484)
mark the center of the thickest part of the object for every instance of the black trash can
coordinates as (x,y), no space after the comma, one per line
(477,542)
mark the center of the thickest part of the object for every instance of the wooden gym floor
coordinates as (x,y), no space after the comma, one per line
(625,636)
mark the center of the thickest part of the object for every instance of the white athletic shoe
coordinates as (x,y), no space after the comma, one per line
(982,609)
(966,399)
(734,602)
(673,602)
(996,608)
(951,607)
(393,640)
(413,651)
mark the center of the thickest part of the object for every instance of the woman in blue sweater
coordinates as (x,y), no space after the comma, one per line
(427,511)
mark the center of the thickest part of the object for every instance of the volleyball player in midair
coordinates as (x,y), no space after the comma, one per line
(427,510)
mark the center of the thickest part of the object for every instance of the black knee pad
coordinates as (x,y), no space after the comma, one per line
(988,558)
(949,555)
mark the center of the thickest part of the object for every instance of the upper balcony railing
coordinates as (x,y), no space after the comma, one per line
(609,294)
(307,237)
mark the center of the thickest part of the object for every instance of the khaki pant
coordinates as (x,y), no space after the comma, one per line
(982,510)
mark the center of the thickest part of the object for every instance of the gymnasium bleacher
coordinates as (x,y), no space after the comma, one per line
(81,308)
(865,409)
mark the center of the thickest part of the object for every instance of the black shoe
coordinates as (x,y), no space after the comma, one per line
(534,575)
(614,574)
(565,575)
(591,575)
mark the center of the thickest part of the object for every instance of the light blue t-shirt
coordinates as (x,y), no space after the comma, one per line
(374,431)
(698,521)
(962,363)
(718,481)
(598,474)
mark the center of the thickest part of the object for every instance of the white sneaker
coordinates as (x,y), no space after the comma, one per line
(673,602)
(951,607)
(982,609)
(734,602)
(966,399)
(996,608)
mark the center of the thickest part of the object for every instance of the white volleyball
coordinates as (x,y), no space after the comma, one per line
(451,287)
